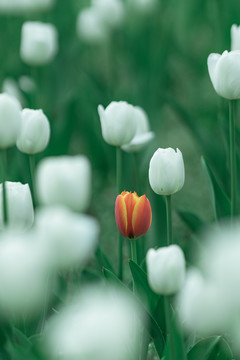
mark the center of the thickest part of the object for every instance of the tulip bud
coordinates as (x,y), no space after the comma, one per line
(224,71)
(143,6)
(166,269)
(70,238)
(133,214)
(142,134)
(24,6)
(34,132)
(111,12)
(19,206)
(118,122)
(235,37)
(90,26)
(166,171)
(11,87)
(38,43)
(10,118)
(65,180)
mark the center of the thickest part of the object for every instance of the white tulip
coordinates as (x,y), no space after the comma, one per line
(100,324)
(118,122)
(19,206)
(24,6)
(10,87)
(142,135)
(224,71)
(23,275)
(166,269)
(65,180)
(34,132)
(90,26)
(27,84)
(70,238)
(10,119)
(143,6)
(39,43)
(235,37)
(166,171)
(110,11)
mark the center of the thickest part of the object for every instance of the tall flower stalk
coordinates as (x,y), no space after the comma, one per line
(233,163)
(120,238)
(4,192)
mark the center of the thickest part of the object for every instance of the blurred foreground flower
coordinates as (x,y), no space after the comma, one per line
(166,171)
(118,122)
(65,180)
(235,37)
(224,71)
(133,214)
(70,238)
(166,269)
(143,6)
(24,6)
(142,134)
(100,324)
(39,43)
(10,119)
(90,26)
(19,206)
(111,12)
(23,274)
(34,132)
(11,87)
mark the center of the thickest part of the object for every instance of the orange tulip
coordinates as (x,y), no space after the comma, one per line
(133,214)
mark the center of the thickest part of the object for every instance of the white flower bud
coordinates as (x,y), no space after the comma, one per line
(110,11)
(166,269)
(224,71)
(235,37)
(166,171)
(70,238)
(100,324)
(24,6)
(118,122)
(39,43)
(10,87)
(65,180)
(10,119)
(143,6)
(19,206)
(34,132)
(90,26)
(142,135)
(23,275)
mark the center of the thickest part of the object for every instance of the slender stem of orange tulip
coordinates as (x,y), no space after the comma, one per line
(32,172)
(169,219)
(133,256)
(4,190)
(119,184)
(233,163)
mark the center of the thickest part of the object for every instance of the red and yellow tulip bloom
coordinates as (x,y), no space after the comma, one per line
(133,214)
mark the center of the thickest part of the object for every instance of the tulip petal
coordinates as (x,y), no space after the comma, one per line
(141,216)
(121,215)
(130,201)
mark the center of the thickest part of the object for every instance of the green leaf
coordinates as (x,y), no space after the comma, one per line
(152,326)
(211,348)
(220,200)
(103,259)
(145,293)
(191,220)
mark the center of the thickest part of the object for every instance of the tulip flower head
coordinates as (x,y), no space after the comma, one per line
(133,214)
(235,37)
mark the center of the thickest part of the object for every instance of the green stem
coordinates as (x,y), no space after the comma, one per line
(133,256)
(119,181)
(169,219)
(168,317)
(4,190)
(32,172)
(233,164)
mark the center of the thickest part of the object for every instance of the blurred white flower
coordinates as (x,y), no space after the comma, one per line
(10,119)
(23,274)
(142,135)
(70,238)
(111,12)
(235,37)
(100,324)
(90,26)
(65,180)
(166,171)
(166,269)
(10,87)
(224,71)
(18,7)
(27,84)
(143,6)
(34,132)
(19,206)
(118,122)
(39,43)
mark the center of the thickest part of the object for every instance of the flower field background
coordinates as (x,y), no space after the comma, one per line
(154,57)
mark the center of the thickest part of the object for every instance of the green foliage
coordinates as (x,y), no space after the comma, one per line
(212,348)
